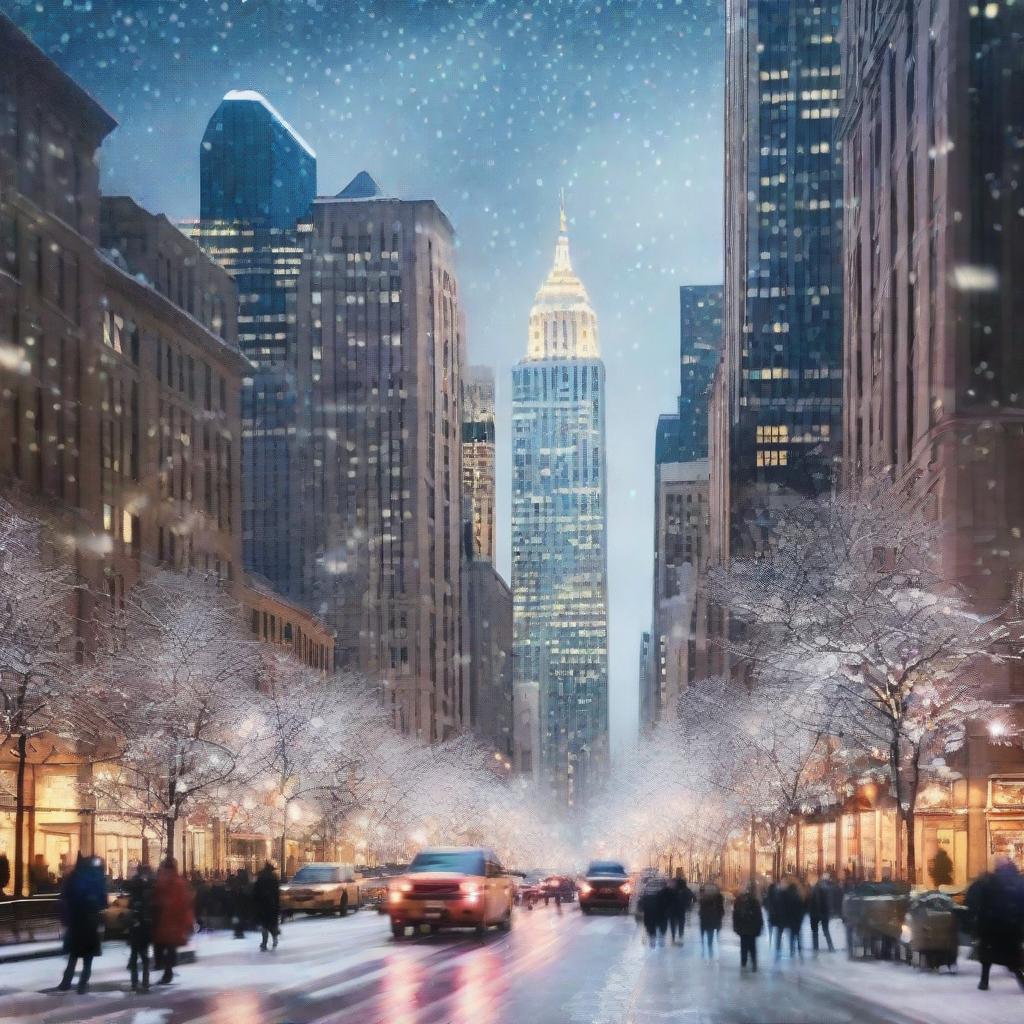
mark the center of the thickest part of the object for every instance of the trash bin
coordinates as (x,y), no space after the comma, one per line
(933,924)
(873,913)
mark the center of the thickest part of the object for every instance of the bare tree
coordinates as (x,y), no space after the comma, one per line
(189,719)
(847,600)
(41,692)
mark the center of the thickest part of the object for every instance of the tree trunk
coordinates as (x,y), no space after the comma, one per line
(171,822)
(911,852)
(284,846)
(753,852)
(783,835)
(19,819)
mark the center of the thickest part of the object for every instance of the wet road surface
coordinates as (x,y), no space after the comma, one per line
(551,969)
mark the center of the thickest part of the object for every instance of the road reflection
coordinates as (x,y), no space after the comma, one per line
(479,986)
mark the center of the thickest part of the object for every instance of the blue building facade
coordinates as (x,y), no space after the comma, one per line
(782,310)
(559,541)
(257,181)
(700,343)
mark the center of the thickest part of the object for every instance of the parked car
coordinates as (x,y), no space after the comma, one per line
(321,889)
(606,886)
(452,887)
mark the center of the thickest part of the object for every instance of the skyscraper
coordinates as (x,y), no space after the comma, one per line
(478,462)
(380,353)
(782,310)
(257,180)
(559,557)
(700,342)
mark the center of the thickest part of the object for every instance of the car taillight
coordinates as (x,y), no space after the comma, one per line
(395,896)
(584,888)
(405,887)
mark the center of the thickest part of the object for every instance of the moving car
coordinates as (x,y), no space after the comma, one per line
(559,885)
(605,886)
(530,888)
(321,889)
(452,887)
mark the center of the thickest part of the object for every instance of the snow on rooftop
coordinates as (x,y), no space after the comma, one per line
(257,97)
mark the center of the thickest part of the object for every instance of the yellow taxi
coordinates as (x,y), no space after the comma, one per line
(451,887)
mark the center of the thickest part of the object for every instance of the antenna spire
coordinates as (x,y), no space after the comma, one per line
(563,223)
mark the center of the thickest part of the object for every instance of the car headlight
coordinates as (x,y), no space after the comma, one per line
(627,889)
(584,888)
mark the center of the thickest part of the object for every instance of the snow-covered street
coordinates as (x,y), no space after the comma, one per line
(551,969)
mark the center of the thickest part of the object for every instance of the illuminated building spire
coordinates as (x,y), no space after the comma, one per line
(562,322)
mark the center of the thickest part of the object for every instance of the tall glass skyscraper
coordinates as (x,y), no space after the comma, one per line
(783,311)
(559,552)
(257,180)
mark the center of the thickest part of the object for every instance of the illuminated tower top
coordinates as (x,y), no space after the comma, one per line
(563,324)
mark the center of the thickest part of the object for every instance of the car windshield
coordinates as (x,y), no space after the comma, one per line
(457,862)
(313,875)
(605,867)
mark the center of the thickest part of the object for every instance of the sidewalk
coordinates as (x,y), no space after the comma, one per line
(931,997)
(14,952)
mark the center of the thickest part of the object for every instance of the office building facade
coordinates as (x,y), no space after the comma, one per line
(782,298)
(478,483)
(378,521)
(257,180)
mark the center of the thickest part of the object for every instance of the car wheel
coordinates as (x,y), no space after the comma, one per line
(343,906)
(481,930)
(505,924)
(397,930)
(584,910)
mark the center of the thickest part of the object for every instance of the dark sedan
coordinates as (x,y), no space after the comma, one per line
(606,886)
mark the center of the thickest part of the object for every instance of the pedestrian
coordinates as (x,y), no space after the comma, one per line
(792,908)
(173,918)
(238,887)
(819,910)
(140,923)
(83,898)
(941,868)
(679,907)
(266,904)
(653,907)
(5,873)
(773,909)
(996,901)
(748,923)
(711,910)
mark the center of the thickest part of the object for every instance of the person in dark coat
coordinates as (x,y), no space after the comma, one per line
(710,910)
(996,902)
(5,873)
(773,910)
(266,903)
(654,907)
(748,923)
(679,906)
(83,898)
(792,908)
(140,924)
(238,888)
(173,921)
(819,910)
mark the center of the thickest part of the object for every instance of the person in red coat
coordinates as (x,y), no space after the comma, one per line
(174,920)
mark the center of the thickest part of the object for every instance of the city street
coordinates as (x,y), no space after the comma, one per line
(552,969)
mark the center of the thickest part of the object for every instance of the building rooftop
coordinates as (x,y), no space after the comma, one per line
(362,186)
(251,96)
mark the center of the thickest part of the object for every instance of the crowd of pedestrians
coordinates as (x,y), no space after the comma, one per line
(161,911)
(994,901)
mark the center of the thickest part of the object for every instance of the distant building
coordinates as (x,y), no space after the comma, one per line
(782,299)
(700,344)
(559,555)
(377,527)
(644,677)
(257,180)
(478,462)
(487,636)
(680,539)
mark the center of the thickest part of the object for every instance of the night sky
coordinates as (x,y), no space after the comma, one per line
(488,108)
